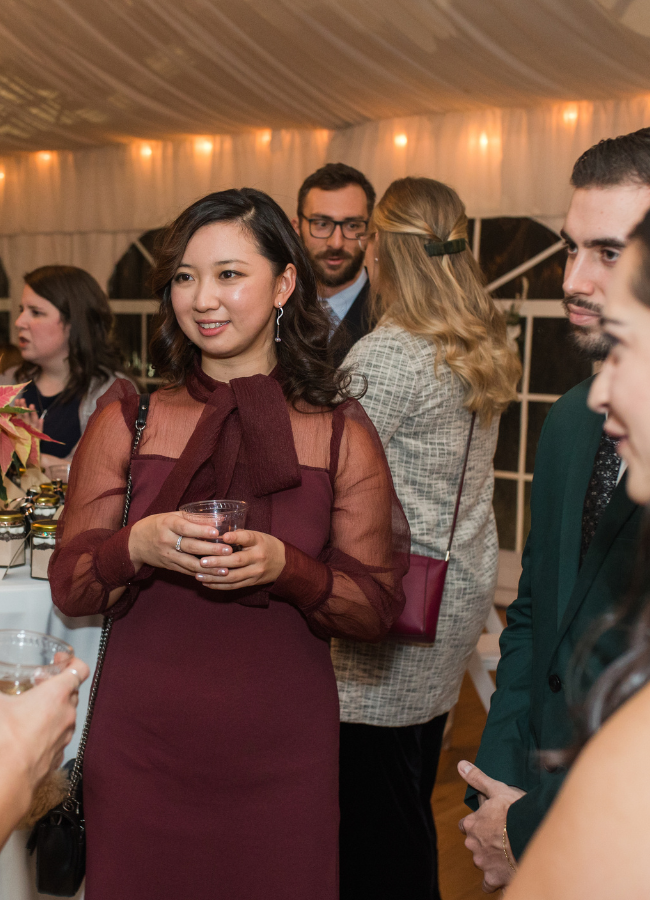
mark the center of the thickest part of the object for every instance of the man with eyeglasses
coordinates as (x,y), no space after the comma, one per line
(334,206)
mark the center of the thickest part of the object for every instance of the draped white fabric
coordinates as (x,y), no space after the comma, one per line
(496,97)
(86,207)
(503,162)
(74,73)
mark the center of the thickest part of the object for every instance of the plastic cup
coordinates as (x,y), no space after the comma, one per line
(58,473)
(27,657)
(224,515)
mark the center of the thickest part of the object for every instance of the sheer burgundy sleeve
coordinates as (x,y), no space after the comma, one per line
(354,589)
(91,556)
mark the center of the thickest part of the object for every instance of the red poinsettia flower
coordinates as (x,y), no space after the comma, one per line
(16,435)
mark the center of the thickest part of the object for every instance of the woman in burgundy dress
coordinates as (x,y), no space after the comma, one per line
(211,766)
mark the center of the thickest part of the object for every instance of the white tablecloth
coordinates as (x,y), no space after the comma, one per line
(26,602)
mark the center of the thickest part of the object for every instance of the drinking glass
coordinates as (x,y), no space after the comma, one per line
(58,473)
(224,515)
(27,657)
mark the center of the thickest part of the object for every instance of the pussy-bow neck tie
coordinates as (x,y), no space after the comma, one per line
(244,426)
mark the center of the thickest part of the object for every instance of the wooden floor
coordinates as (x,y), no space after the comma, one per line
(459,880)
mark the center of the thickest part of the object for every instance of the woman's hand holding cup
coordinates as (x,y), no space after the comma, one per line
(35,727)
(260,560)
(198,541)
(154,540)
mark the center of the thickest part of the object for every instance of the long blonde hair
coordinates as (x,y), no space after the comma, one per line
(441,297)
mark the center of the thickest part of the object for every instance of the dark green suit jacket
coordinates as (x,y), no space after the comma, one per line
(557,603)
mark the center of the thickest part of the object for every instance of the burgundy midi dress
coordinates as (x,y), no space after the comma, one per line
(211,766)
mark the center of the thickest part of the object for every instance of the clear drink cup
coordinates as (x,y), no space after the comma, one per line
(28,657)
(224,515)
(58,473)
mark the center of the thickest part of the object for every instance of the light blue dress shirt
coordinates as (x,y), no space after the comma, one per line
(340,303)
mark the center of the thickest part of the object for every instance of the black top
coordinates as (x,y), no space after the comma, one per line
(61,420)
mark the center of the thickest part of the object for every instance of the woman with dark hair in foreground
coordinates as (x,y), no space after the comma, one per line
(212,765)
(594,843)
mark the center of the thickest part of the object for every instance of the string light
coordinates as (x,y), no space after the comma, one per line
(400,140)
(570,114)
(146,151)
(203,145)
(264,137)
(2,175)
(45,156)
(483,141)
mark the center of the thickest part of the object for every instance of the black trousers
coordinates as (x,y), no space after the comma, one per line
(388,847)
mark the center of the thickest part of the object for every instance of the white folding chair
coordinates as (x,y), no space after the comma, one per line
(485,659)
(507,578)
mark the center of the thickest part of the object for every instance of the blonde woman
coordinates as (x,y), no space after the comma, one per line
(438,353)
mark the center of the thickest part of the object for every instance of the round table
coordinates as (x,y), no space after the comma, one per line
(26,602)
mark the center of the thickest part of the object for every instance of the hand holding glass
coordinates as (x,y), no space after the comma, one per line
(27,658)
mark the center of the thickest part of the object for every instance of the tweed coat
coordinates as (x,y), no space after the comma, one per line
(417,408)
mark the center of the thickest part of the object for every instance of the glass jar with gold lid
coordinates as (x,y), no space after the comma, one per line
(12,538)
(56,488)
(45,505)
(43,541)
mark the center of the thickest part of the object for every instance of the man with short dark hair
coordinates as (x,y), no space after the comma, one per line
(581,543)
(611,181)
(334,206)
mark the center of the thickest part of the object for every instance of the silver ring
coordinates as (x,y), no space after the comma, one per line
(178,543)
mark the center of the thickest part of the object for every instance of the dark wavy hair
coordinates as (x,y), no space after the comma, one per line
(307,370)
(629,622)
(93,352)
(614,161)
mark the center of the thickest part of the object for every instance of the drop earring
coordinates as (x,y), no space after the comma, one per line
(278,339)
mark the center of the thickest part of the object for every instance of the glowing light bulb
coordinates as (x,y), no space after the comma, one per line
(570,114)
(2,175)
(146,151)
(400,140)
(45,156)
(203,145)
(483,141)
(265,136)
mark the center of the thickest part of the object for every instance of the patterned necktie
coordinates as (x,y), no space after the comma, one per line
(601,487)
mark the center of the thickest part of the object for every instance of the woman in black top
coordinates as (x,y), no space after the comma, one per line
(69,355)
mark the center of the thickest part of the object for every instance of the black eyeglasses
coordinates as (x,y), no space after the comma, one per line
(323,227)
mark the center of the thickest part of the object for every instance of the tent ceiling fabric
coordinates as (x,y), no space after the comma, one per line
(81,73)
(85,207)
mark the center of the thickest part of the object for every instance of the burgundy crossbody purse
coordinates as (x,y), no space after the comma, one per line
(424,582)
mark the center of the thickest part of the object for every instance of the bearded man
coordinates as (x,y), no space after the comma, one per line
(581,545)
(334,207)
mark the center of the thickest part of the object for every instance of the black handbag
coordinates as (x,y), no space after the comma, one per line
(59,838)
